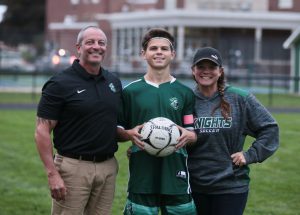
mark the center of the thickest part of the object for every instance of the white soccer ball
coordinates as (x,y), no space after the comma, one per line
(160,136)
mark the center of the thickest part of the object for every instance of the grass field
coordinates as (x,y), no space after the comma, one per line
(275,186)
(276,100)
(290,100)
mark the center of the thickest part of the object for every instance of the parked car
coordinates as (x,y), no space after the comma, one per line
(56,60)
(13,61)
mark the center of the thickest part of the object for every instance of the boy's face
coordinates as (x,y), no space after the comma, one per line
(158,53)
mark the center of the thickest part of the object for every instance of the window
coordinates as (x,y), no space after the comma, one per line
(285,4)
(2,11)
(74,2)
(142,1)
(95,1)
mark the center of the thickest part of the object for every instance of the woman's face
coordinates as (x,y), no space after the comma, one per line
(207,73)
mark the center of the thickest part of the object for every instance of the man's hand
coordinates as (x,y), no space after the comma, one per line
(57,187)
(135,136)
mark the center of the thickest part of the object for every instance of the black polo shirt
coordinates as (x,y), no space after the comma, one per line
(85,107)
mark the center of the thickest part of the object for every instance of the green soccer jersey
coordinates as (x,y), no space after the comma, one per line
(143,101)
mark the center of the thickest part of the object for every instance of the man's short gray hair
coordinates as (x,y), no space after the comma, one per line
(81,32)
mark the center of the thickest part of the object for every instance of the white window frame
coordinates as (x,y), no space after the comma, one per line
(74,2)
(285,4)
(141,1)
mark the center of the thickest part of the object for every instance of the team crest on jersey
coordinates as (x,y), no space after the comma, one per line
(112,87)
(174,103)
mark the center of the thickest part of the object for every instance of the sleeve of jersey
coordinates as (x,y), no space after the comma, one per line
(51,102)
(188,117)
(262,126)
(123,113)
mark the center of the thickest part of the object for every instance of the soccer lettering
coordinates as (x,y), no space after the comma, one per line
(168,129)
(212,122)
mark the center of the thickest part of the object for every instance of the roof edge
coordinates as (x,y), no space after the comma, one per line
(292,38)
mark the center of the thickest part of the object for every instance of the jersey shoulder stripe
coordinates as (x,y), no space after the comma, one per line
(138,80)
(238,91)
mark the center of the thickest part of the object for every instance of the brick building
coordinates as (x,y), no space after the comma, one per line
(249,33)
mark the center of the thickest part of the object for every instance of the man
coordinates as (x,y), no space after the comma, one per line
(80,106)
(158,183)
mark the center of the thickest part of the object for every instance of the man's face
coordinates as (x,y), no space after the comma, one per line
(158,53)
(93,47)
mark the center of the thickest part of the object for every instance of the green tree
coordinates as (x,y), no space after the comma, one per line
(23,21)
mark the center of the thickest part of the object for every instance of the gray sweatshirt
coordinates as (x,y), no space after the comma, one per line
(210,165)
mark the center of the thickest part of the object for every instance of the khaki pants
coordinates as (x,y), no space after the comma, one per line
(90,186)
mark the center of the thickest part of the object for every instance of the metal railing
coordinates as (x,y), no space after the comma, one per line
(32,82)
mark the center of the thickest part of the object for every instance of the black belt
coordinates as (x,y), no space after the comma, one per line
(94,158)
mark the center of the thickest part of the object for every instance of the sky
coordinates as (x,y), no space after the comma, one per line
(2,11)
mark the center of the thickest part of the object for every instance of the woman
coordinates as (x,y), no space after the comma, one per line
(225,115)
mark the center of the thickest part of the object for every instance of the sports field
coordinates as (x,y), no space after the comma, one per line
(275,186)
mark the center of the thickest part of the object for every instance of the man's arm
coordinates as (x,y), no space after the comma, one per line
(122,135)
(43,141)
(131,134)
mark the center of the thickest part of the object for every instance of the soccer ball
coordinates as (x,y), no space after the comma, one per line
(160,136)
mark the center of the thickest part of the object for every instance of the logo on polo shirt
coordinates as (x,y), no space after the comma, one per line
(80,91)
(112,87)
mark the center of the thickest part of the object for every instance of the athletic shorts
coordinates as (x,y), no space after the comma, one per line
(151,204)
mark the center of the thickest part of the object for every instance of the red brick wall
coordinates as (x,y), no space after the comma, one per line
(57,10)
(273,6)
(180,3)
